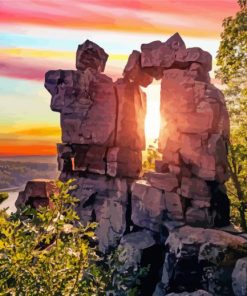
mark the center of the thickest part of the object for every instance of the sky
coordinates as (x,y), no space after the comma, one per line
(41,35)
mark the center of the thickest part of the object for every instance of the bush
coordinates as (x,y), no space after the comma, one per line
(151,155)
(3,196)
(49,252)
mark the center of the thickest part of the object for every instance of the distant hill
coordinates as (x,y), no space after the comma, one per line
(30,158)
(16,171)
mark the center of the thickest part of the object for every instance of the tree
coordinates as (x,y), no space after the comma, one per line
(49,252)
(3,196)
(232,70)
(151,155)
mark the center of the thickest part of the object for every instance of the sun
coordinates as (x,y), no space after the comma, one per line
(152,120)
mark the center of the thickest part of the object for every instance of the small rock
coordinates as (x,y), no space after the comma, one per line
(163,181)
(90,55)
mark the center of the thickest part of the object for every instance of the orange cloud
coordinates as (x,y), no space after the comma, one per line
(42,131)
(13,150)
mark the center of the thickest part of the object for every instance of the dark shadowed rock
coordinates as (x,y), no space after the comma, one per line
(239,277)
(57,82)
(195,293)
(197,259)
(95,159)
(90,55)
(173,205)
(65,155)
(123,162)
(195,188)
(198,217)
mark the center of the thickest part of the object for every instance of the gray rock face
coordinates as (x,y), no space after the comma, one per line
(103,200)
(132,245)
(239,277)
(148,205)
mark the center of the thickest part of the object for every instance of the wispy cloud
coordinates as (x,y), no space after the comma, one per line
(190,17)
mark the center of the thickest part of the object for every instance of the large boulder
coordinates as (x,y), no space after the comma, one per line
(132,245)
(133,70)
(37,193)
(200,258)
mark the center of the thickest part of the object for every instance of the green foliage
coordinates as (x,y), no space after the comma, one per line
(3,196)
(232,70)
(49,252)
(123,281)
(151,156)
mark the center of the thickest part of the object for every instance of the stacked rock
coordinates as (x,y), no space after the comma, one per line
(188,184)
(103,135)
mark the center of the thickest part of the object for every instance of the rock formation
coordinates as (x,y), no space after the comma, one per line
(156,218)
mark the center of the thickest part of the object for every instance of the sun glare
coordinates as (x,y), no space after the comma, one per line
(152,121)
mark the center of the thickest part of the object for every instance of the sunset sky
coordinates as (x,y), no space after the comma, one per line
(39,35)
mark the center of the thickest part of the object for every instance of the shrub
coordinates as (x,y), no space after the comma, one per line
(49,252)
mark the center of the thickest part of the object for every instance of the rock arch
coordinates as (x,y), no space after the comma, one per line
(165,217)
(103,135)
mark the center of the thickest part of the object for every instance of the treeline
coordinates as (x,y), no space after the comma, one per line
(15,174)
